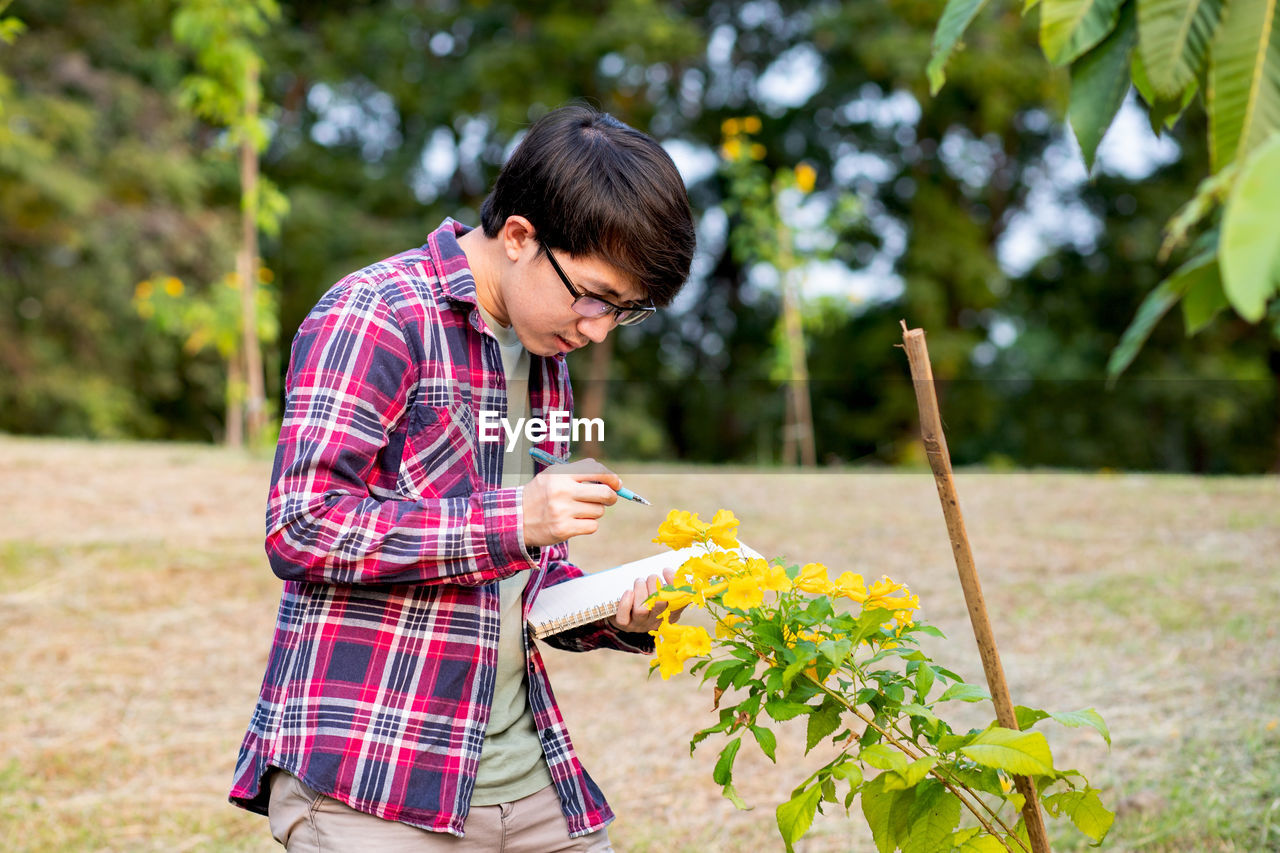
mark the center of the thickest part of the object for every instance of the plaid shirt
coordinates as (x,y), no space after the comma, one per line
(386,522)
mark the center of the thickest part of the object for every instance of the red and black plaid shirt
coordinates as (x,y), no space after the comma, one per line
(386,521)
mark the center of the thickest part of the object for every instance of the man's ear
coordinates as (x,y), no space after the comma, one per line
(518,236)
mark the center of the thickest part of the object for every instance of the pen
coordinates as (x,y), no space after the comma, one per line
(544,456)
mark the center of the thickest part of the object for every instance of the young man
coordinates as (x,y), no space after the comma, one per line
(404,706)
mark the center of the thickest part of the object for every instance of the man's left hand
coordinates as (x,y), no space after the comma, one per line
(633,615)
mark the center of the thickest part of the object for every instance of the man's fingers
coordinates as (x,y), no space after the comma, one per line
(624,610)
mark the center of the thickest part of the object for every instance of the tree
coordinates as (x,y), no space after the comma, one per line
(227,91)
(1175,52)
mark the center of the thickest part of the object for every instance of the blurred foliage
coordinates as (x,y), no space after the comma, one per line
(392,115)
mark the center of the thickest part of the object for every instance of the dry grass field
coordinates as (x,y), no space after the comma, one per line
(136,607)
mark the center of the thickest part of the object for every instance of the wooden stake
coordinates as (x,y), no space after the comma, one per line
(935,446)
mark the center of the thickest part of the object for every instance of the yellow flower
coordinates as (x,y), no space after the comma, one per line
(674,644)
(698,568)
(723,529)
(680,530)
(143,290)
(725,626)
(751,124)
(743,593)
(173,286)
(771,577)
(730,127)
(265,275)
(757,151)
(880,592)
(806,177)
(732,148)
(813,578)
(851,586)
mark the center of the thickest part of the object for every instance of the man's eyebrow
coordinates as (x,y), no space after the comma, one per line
(606,291)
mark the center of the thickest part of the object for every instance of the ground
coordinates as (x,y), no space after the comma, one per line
(136,607)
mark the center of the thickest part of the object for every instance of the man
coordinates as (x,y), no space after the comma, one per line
(404,706)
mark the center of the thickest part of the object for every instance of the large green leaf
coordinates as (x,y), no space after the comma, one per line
(1204,299)
(1251,233)
(795,816)
(1174,38)
(934,817)
(1156,304)
(1085,809)
(1099,82)
(956,18)
(1022,753)
(1069,28)
(1244,80)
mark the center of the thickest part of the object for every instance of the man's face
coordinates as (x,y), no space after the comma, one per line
(540,307)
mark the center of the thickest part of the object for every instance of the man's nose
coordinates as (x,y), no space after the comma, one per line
(596,329)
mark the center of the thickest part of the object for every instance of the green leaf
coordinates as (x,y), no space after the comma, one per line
(795,816)
(1086,717)
(887,812)
(768,742)
(731,794)
(914,709)
(1204,299)
(982,844)
(934,816)
(924,682)
(965,693)
(1022,753)
(1028,717)
(911,775)
(723,772)
(1099,83)
(955,19)
(1174,38)
(849,771)
(835,651)
(1250,232)
(822,722)
(883,757)
(1156,304)
(1069,28)
(1244,81)
(780,710)
(1085,809)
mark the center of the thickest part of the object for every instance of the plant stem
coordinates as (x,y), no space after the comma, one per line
(895,742)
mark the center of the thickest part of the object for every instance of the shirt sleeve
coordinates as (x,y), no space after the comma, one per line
(594,635)
(351,375)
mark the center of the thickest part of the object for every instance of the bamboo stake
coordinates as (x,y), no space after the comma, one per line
(935,445)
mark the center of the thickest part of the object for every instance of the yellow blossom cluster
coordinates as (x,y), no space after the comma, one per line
(682,529)
(739,583)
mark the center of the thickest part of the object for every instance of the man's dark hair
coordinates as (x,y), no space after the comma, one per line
(592,186)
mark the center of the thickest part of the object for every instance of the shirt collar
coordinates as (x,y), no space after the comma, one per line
(456,280)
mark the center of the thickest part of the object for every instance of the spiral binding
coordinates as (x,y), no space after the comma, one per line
(573,620)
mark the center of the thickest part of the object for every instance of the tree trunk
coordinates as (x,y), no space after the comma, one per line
(798,432)
(247,264)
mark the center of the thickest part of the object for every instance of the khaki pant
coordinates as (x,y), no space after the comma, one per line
(307,822)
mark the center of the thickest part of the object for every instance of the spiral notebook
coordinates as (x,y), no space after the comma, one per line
(593,597)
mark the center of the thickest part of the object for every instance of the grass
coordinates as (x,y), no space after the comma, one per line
(137,606)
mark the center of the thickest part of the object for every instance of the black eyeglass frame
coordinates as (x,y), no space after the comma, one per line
(622,316)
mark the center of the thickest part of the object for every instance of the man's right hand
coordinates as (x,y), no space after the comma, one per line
(567,500)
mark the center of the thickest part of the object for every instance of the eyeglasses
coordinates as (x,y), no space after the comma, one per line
(593,306)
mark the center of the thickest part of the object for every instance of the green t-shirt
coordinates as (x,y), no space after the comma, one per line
(511,763)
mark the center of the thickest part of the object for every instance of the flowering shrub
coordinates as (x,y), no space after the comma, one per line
(794,642)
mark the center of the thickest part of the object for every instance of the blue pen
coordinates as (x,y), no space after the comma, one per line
(544,456)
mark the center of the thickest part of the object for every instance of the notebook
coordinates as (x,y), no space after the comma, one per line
(593,597)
